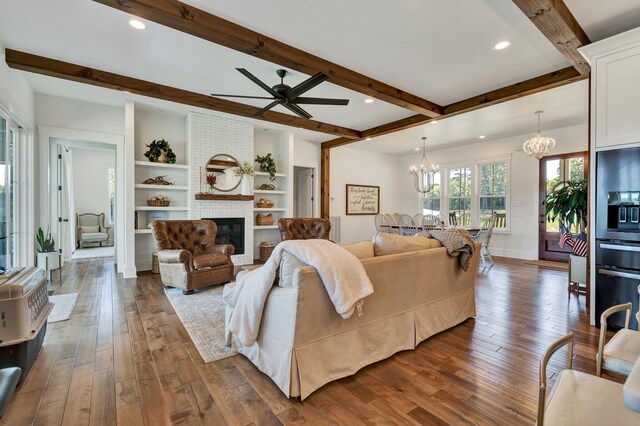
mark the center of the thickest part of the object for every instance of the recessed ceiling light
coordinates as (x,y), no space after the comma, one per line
(434,122)
(368,101)
(367,139)
(416,149)
(127,92)
(481,137)
(501,45)
(138,25)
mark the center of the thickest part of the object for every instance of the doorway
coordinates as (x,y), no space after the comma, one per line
(84,209)
(304,189)
(554,170)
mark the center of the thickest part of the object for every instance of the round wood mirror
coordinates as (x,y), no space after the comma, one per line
(223,167)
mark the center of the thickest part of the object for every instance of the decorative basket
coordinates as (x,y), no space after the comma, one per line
(264,219)
(266,249)
(155,265)
(267,187)
(264,203)
(158,203)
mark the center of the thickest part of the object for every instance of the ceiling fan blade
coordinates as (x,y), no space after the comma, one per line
(258,82)
(320,101)
(308,84)
(239,96)
(267,108)
(297,110)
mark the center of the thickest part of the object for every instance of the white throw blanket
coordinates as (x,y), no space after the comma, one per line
(342,274)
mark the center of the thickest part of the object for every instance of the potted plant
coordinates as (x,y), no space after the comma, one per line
(245,172)
(47,258)
(568,204)
(160,152)
(267,164)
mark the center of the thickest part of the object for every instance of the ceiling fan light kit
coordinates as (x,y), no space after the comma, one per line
(287,96)
(539,145)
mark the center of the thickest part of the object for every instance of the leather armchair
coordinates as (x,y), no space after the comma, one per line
(188,255)
(304,228)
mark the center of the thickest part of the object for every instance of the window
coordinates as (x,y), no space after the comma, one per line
(460,196)
(469,195)
(111,191)
(493,193)
(8,194)
(431,202)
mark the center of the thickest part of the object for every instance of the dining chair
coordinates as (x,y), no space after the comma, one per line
(396,217)
(406,225)
(484,237)
(382,223)
(622,351)
(392,222)
(417,219)
(465,219)
(501,220)
(453,219)
(429,222)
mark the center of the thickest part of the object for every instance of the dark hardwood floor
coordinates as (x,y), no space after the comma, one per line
(125,358)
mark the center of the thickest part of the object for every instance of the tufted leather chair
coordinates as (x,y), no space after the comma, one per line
(304,228)
(188,255)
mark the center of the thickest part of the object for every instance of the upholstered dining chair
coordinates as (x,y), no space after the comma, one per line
(188,255)
(298,228)
(578,398)
(91,229)
(622,351)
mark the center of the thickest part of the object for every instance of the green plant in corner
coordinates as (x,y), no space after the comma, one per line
(568,203)
(46,244)
(156,149)
(267,164)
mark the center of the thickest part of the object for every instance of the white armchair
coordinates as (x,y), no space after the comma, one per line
(91,229)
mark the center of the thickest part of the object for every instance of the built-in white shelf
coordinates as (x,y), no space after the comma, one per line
(167,209)
(162,187)
(162,165)
(142,231)
(264,191)
(282,175)
(269,209)
(266,227)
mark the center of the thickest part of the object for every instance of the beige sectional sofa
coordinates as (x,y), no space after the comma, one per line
(303,343)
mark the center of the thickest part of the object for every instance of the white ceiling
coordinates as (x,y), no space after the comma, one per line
(563,106)
(440,50)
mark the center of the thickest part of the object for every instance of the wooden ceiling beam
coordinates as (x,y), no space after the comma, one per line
(78,73)
(524,88)
(196,22)
(554,19)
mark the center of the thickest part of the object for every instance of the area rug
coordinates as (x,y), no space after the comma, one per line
(93,252)
(202,314)
(559,266)
(63,305)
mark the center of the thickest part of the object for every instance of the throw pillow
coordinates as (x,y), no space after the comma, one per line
(361,250)
(90,229)
(385,243)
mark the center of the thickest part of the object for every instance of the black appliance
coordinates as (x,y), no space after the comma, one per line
(617,233)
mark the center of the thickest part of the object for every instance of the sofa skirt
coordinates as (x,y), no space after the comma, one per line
(299,370)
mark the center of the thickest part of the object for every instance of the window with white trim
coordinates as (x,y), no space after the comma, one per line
(459,204)
(431,201)
(493,193)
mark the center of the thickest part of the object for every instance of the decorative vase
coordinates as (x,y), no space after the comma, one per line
(246,189)
(163,157)
(210,189)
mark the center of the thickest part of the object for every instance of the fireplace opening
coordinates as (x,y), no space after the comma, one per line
(230,231)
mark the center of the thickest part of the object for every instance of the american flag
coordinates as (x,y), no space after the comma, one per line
(565,237)
(580,245)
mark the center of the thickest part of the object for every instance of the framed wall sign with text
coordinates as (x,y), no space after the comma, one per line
(363,199)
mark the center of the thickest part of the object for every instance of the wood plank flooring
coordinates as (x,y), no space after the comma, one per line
(125,358)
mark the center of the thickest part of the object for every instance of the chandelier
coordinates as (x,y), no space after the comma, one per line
(539,145)
(424,177)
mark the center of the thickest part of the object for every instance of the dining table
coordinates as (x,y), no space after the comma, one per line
(472,230)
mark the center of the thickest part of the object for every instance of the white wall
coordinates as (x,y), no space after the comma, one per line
(79,115)
(16,95)
(306,153)
(156,125)
(90,183)
(522,242)
(356,166)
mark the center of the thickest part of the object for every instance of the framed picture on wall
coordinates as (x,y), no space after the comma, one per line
(363,199)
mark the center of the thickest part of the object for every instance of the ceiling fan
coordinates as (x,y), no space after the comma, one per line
(287,96)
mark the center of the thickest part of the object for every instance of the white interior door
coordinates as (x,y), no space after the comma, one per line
(304,196)
(66,203)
